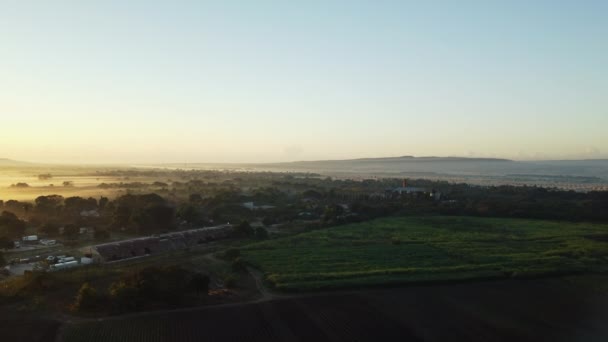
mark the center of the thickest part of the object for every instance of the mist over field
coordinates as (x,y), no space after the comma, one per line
(84,180)
(583,175)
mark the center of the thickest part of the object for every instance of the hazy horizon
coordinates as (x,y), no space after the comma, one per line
(36,163)
(242,82)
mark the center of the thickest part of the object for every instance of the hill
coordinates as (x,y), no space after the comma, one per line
(10,162)
(471,170)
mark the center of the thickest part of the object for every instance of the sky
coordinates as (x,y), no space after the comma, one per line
(268,81)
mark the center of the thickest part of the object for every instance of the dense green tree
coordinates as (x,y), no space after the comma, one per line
(124,296)
(160,184)
(103,201)
(200,283)
(6,243)
(71,231)
(232,253)
(244,229)
(76,204)
(49,228)
(153,218)
(48,204)
(189,213)
(16,207)
(167,285)
(101,234)
(11,226)
(87,299)
(312,194)
(146,213)
(238,265)
(261,233)
(195,198)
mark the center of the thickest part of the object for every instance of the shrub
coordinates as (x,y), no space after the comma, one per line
(232,253)
(124,296)
(101,234)
(261,233)
(244,229)
(200,283)
(230,281)
(238,265)
(49,229)
(87,298)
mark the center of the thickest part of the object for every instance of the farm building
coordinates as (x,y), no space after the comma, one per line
(405,189)
(137,247)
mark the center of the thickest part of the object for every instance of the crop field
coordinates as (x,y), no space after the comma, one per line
(554,309)
(428,249)
(16,326)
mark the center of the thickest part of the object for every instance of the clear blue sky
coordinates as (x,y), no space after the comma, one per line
(230,81)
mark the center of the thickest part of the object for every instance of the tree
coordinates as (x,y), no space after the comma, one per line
(75,205)
(232,253)
(160,184)
(153,218)
(87,298)
(124,296)
(101,234)
(244,229)
(45,176)
(146,213)
(49,229)
(312,194)
(5,242)
(103,201)
(189,213)
(71,231)
(230,281)
(200,283)
(196,198)
(269,220)
(10,225)
(332,212)
(48,204)
(16,207)
(238,265)
(261,233)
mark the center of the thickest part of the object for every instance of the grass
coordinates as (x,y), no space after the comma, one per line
(433,248)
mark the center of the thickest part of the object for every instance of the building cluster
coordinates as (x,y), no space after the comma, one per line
(126,249)
(405,190)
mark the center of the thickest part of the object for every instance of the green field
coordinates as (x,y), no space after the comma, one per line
(433,248)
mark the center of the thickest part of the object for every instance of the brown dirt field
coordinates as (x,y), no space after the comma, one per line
(27,329)
(558,309)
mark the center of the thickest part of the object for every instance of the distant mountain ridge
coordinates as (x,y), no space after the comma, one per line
(430,166)
(404,159)
(11,162)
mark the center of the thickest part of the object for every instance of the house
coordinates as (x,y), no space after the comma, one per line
(89,213)
(409,190)
(252,206)
(404,189)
